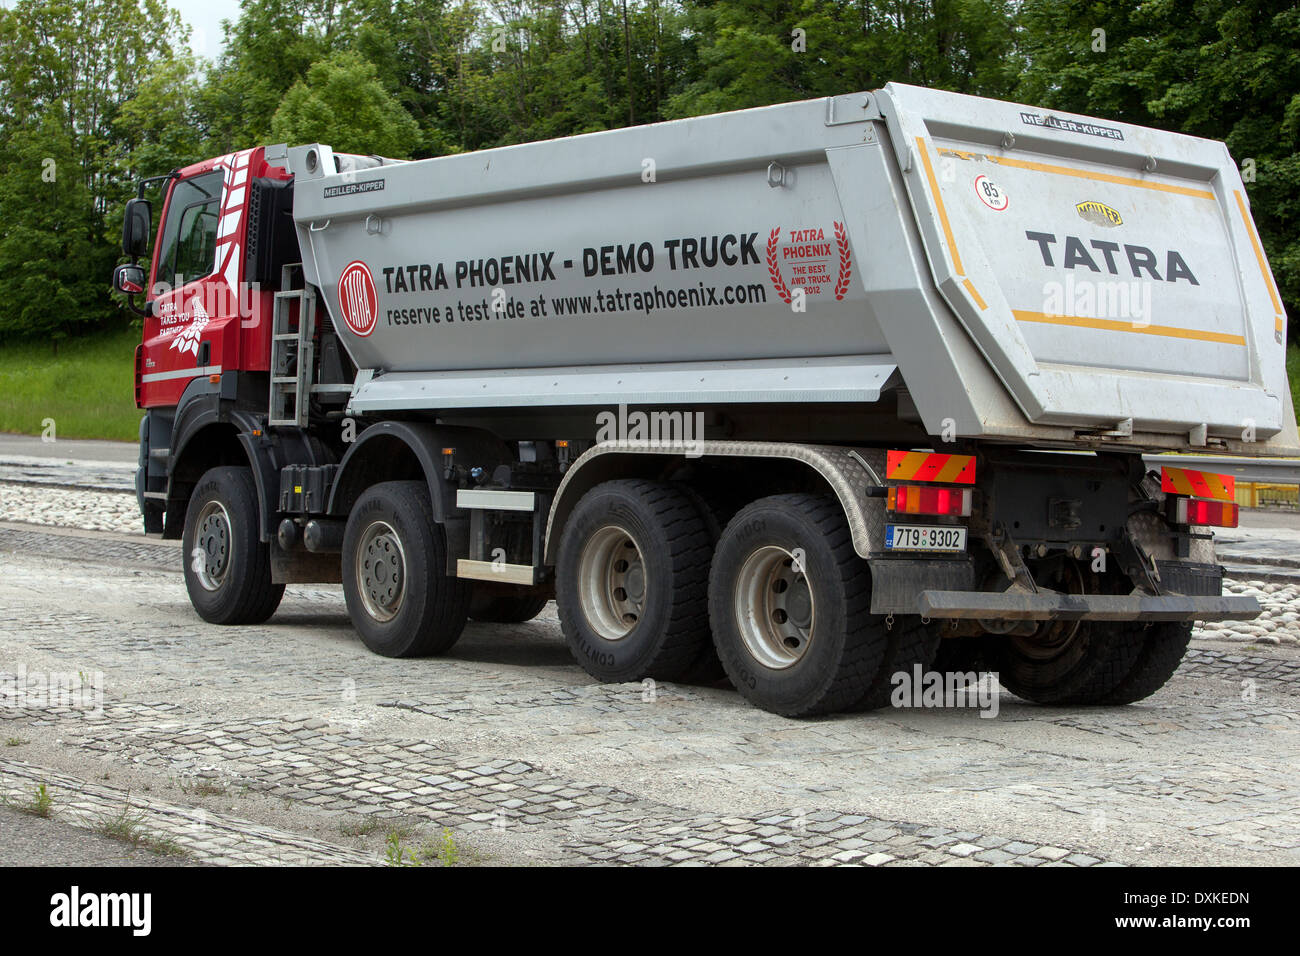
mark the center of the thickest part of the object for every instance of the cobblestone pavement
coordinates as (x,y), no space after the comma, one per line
(288,742)
(177,830)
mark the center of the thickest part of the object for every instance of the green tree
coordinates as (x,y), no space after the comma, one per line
(54,261)
(156,129)
(68,69)
(1217,68)
(267,50)
(342,103)
(758,52)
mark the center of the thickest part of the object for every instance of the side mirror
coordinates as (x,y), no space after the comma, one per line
(129,279)
(135,227)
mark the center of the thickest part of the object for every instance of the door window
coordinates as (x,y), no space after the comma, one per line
(189,240)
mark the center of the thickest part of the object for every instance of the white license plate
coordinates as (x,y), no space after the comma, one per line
(915,537)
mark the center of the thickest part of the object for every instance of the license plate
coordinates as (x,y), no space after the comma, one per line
(915,537)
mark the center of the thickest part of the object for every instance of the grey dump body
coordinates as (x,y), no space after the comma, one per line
(1005,273)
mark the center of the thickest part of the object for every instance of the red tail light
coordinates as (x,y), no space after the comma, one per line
(1217,514)
(918,500)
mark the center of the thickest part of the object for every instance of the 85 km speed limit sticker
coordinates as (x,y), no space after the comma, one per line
(989,193)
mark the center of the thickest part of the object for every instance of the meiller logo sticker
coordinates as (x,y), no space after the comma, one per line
(358,300)
(355,188)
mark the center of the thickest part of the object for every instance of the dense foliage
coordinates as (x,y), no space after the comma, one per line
(95,93)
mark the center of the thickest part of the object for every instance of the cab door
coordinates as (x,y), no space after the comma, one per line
(191,304)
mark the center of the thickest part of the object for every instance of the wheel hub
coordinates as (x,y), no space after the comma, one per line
(212,542)
(774,607)
(381,571)
(1054,638)
(612,582)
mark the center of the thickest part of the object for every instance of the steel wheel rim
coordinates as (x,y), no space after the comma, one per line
(381,571)
(1055,639)
(612,582)
(774,607)
(213,540)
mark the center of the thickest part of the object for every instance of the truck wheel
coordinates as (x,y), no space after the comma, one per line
(960,656)
(631,581)
(1062,660)
(706,668)
(912,642)
(227,566)
(790,601)
(1159,650)
(491,608)
(1067,662)
(398,593)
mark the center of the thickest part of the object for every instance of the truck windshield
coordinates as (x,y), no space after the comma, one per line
(190,233)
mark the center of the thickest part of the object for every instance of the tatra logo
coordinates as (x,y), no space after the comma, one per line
(358,299)
(815,264)
(1098,213)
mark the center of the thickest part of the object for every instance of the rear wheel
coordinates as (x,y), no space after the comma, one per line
(789,600)
(1161,647)
(913,643)
(227,566)
(495,608)
(631,581)
(400,598)
(706,668)
(960,660)
(1058,663)
(1067,662)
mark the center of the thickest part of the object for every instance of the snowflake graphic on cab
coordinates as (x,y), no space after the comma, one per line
(188,340)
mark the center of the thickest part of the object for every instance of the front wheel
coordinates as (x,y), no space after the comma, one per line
(400,598)
(227,565)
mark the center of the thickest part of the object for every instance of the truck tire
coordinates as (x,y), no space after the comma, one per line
(493,608)
(959,655)
(706,668)
(227,565)
(912,641)
(631,581)
(1077,663)
(1159,650)
(1063,661)
(400,598)
(795,640)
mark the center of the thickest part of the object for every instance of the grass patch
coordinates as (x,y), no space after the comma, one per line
(40,805)
(442,851)
(363,827)
(203,788)
(15,742)
(396,853)
(127,827)
(447,853)
(88,389)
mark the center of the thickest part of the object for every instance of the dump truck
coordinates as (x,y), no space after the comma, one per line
(803,397)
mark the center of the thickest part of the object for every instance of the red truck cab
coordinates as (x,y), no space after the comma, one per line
(206,312)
